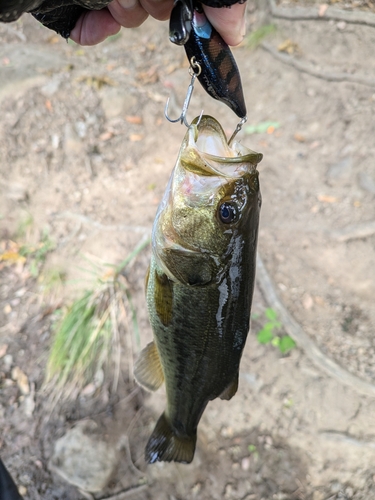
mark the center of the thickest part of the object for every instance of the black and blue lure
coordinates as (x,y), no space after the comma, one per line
(209,55)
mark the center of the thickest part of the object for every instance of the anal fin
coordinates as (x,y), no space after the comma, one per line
(165,445)
(148,371)
(231,390)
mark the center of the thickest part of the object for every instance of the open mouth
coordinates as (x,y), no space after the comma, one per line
(208,139)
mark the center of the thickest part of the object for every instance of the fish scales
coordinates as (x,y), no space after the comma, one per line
(200,284)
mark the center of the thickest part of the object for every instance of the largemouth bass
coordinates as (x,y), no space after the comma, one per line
(200,284)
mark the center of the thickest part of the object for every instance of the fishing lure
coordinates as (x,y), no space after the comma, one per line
(213,60)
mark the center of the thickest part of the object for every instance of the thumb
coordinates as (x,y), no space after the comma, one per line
(230,21)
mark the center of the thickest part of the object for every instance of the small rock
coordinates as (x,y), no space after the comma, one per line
(115,102)
(29,402)
(22,381)
(228,491)
(72,143)
(22,490)
(245,463)
(366,182)
(336,487)
(341,170)
(318,495)
(7,309)
(16,192)
(349,492)
(307,301)
(83,459)
(50,88)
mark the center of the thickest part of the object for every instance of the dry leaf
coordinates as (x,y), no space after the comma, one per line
(54,39)
(135,137)
(97,81)
(12,257)
(105,136)
(150,76)
(7,309)
(22,381)
(322,9)
(327,199)
(299,137)
(135,120)
(3,349)
(288,46)
(48,105)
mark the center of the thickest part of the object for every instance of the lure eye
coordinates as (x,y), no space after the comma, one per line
(228,212)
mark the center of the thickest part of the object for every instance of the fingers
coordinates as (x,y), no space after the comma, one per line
(128,13)
(230,22)
(94,26)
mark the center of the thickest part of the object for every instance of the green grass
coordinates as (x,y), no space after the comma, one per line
(257,36)
(37,254)
(87,335)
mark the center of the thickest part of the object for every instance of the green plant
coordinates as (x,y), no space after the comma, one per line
(253,450)
(87,334)
(268,334)
(255,37)
(36,255)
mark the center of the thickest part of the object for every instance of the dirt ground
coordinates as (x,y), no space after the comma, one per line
(85,154)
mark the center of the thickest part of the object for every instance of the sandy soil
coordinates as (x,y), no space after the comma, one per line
(85,154)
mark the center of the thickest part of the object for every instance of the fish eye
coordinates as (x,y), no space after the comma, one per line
(228,212)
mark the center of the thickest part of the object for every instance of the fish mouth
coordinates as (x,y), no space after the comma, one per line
(207,139)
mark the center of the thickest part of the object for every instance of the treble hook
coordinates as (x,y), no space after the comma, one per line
(194,74)
(238,128)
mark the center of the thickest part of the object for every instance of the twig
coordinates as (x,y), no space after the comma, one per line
(126,445)
(354,232)
(345,438)
(318,73)
(103,227)
(127,493)
(303,341)
(313,14)
(14,32)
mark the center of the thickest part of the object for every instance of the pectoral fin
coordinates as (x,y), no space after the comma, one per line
(163,295)
(190,268)
(231,390)
(148,371)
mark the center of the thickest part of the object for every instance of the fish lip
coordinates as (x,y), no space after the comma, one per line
(244,155)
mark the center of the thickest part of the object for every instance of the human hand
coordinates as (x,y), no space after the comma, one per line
(96,25)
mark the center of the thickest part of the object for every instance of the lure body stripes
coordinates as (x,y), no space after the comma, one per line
(219,74)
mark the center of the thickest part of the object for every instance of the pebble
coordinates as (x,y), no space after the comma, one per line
(22,490)
(245,463)
(22,381)
(81,458)
(8,361)
(366,182)
(340,170)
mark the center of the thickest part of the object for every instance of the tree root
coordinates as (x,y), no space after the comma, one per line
(315,14)
(318,73)
(355,232)
(303,341)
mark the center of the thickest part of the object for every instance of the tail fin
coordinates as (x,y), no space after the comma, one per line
(165,446)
